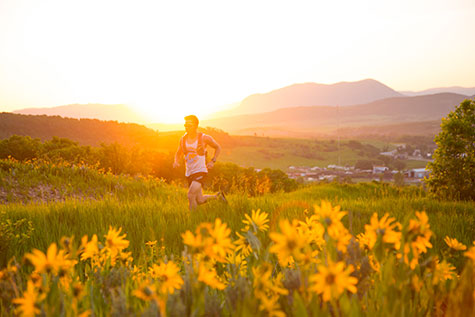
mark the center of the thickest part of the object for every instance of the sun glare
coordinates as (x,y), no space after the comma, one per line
(169,59)
(166,112)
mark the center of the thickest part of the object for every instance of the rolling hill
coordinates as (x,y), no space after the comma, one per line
(121,113)
(313,121)
(85,131)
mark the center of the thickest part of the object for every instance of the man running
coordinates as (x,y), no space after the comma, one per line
(193,147)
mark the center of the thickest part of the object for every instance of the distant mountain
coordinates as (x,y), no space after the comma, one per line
(312,94)
(455,89)
(326,119)
(119,112)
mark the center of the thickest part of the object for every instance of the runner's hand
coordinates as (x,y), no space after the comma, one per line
(176,164)
(210,164)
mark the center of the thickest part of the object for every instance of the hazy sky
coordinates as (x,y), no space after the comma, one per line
(170,58)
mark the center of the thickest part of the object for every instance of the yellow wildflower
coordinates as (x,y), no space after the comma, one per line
(383,228)
(271,306)
(342,237)
(168,274)
(53,261)
(36,278)
(210,241)
(7,272)
(454,244)
(329,215)
(115,242)
(258,221)
(411,255)
(421,225)
(222,243)
(29,303)
(309,257)
(418,239)
(422,243)
(288,243)
(209,277)
(263,285)
(126,257)
(442,271)
(312,229)
(471,253)
(151,243)
(332,280)
(195,242)
(89,248)
(364,240)
(146,292)
(137,274)
(238,260)
(243,245)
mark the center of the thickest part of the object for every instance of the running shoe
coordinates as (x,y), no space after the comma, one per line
(222,197)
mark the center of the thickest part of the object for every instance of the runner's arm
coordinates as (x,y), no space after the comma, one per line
(178,156)
(211,142)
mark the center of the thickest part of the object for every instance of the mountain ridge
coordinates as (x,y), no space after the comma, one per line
(314,94)
(467,91)
(325,119)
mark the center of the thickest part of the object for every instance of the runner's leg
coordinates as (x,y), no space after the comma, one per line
(196,197)
(200,198)
(192,193)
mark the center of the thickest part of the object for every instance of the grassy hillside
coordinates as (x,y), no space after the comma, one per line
(115,245)
(85,201)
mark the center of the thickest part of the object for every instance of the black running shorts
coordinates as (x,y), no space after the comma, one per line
(198,177)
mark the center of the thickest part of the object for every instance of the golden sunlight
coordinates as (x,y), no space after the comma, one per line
(169,59)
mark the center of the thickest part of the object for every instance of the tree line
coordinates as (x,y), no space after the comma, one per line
(136,160)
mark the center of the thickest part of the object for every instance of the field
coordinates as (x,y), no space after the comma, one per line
(260,152)
(83,201)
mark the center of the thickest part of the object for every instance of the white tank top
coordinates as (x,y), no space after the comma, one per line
(194,163)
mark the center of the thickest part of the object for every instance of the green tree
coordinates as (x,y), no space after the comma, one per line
(19,147)
(453,169)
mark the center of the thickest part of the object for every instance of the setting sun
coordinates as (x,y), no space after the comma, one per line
(168,59)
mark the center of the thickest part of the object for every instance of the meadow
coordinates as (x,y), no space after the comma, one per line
(217,265)
(280,153)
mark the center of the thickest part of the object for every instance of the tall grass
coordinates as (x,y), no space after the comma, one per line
(148,209)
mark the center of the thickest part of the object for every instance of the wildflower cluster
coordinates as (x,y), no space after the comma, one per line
(304,266)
